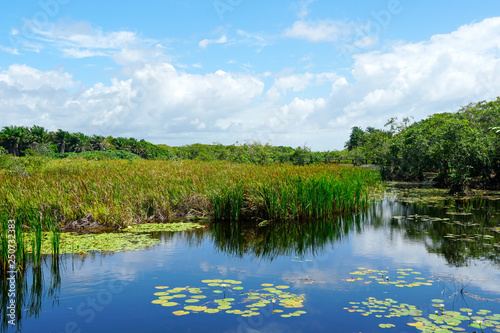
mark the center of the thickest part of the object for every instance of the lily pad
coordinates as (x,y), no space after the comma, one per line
(180,313)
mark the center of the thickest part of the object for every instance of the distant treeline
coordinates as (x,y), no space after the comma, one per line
(462,149)
(36,140)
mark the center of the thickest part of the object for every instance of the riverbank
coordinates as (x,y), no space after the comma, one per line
(81,194)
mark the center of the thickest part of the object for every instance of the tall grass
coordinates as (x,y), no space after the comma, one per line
(28,238)
(118,193)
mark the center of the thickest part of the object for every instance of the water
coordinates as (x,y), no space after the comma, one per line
(113,292)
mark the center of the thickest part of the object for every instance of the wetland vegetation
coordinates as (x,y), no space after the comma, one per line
(67,195)
(63,194)
(310,272)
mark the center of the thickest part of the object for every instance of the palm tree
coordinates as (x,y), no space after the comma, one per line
(80,142)
(100,143)
(13,137)
(38,134)
(122,144)
(61,138)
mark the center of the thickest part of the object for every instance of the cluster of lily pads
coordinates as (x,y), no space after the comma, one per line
(249,302)
(134,240)
(418,194)
(398,279)
(484,238)
(440,321)
(387,308)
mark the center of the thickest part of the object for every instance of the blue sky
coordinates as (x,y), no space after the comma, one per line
(284,72)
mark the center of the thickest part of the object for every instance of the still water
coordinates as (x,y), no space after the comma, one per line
(426,261)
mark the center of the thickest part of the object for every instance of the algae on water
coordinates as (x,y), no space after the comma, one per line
(135,238)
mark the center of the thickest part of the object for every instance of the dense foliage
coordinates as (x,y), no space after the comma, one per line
(461,148)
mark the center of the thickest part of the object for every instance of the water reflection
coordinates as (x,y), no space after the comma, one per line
(28,289)
(281,239)
(460,231)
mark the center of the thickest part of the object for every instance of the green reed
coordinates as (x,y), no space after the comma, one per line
(28,238)
(4,252)
(119,193)
(36,246)
(21,256)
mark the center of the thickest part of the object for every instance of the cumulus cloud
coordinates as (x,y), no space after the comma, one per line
(25,78)
(419,79)
(298,82)
(158,101)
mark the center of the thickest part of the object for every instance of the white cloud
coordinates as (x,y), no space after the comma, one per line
(298,82)
(318,31)
(303,8)
(144,105)
(10,50)
(156,101)
(365,42)
(82,40)
(204,43)
(84,35)
(422,78)
(25,78)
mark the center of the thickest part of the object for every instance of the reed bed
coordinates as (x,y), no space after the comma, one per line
(120,193)
(117,193)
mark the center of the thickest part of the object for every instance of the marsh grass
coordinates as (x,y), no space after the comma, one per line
(118,193)
(28,239)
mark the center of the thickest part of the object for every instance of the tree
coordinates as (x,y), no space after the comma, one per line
(39,135)
(398,127)
(79,143)
(61,138)
(13,137)
(355,139)
(100,143)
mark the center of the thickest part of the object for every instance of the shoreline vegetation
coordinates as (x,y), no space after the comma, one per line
(459,150)
(66,195)
(117,193)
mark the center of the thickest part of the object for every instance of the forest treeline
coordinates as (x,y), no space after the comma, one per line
(19,141)
(462,149)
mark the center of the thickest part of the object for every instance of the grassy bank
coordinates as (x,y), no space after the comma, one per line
(119,193)
(58,194)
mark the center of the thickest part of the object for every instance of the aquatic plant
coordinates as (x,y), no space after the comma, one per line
(439,321)
(399,277)
(253,300)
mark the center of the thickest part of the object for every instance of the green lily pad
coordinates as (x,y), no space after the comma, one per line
(192,300)
(180,313)
(168,304)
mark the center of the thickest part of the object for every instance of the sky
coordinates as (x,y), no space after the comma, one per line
(288,73)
